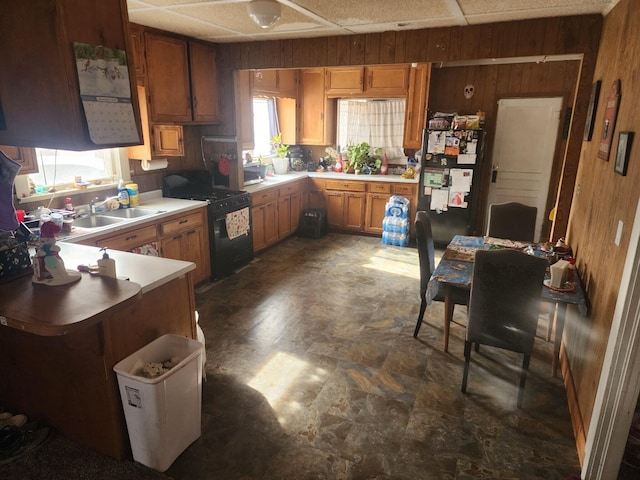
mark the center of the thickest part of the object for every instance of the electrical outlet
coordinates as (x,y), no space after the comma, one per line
(619,233)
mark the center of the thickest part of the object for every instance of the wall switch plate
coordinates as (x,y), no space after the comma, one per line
(619,233)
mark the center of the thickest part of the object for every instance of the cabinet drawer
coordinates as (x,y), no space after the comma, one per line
(128,240)
(264,196)
(404,189)
(346,186)
(288,190)
(380,188)
(180,224)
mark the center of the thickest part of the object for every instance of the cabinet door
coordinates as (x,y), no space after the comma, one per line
(354,211)
(137,46)
(335,209)
(168,74)
(296,210)
(127,241)
(387,80)
(316,122)
(344,81)
(265,82)
(192,242)
(271,223)
(244,116)
(26,157)
(168,140)
(376,206)
(257,227)
(288,83)
(204,86)
(284,217)
(416,108)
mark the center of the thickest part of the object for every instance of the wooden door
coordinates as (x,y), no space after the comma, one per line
(376,206)
(204,86)
(244,114)
(258,228)
(344,81)
(416,107)
(288,83)
(284,216)
(270,223)
(315,113)
(265,82)
(26,157)
(168,73)
(168,140)
(296,210)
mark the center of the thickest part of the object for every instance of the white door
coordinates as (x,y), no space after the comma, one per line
(525,143)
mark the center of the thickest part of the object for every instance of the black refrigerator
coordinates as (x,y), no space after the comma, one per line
(449,175)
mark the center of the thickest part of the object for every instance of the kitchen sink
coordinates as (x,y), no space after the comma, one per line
(94,221)
(132,212)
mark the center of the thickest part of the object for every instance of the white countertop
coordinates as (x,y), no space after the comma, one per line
(147,271)
(282,179)
(149,201)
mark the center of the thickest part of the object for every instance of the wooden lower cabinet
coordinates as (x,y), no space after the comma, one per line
(376,207)
(180,237)
(289,208)
(345,202)
(264,218)
(186,238)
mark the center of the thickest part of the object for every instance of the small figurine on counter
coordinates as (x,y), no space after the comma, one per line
(48,266)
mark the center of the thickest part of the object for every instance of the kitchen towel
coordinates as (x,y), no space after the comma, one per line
(237,223)
(154,164)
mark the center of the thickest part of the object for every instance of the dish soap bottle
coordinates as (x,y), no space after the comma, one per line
(384,169)
(338,167)
(123,195)
(106,265)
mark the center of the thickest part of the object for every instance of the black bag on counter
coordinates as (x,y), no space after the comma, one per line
(15,260)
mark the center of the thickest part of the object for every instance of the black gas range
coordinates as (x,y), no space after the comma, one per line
(229,214)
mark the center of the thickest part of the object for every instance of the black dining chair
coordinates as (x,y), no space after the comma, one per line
(506,287)
(426,255)
(513,221)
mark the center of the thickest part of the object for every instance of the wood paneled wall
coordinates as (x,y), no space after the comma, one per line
(602,199)
(493,82)
(549,36)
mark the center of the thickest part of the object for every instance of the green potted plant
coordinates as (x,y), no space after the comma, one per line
(357,155)
(280,163)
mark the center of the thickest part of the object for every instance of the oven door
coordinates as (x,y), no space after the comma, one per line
(229,252)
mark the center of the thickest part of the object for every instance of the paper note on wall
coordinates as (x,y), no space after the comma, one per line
(439,199)
(461,179)
(467,159)
(436,142)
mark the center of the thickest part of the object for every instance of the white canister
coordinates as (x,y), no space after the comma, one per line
(559,272)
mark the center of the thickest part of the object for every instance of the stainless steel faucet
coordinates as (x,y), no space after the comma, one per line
(92,205)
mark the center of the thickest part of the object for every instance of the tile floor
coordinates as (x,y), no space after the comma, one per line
(313,373)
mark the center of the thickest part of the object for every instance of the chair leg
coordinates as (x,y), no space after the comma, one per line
(467,358)
(423,307)
(523,378)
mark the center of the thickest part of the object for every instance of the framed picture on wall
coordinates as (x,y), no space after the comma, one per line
(591,111)
(622,155)
(610,114)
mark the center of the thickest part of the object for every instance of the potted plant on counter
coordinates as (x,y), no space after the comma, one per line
(280,163)
(363,158)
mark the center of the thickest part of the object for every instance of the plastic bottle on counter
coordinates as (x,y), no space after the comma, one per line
(338,166)
(106,265)
(134,196)
(384,169)
(123,195)
(68,206)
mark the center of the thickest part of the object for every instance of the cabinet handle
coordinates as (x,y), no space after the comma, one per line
(132,237)
(182,222)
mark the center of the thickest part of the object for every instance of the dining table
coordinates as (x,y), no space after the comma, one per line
(455,271)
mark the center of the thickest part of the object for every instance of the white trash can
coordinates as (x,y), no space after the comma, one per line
(163,413)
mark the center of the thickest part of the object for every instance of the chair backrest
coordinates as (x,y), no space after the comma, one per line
(513,221)
(503,309)
(426,250)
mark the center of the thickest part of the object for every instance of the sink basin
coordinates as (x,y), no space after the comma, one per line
(133,212)
(95,221)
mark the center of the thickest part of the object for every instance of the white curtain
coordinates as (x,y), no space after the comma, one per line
(380,123)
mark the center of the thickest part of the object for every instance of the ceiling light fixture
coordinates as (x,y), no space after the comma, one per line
(264,12)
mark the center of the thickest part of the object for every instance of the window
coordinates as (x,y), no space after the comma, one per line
(62,168)
(265,125)
(380,123)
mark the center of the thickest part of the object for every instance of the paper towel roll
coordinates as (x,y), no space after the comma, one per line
(154,164)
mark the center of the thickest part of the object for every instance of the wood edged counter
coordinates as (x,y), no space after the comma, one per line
(58,345)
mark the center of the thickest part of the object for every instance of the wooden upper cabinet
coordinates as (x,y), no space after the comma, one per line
(368,81)
(244,109)
(316,119)
(277,83)
(182,80)
(415,114)
(40,104)
(387,80)
(26,157)
(344,81)
(204,85)
(137,48)
(168,73)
